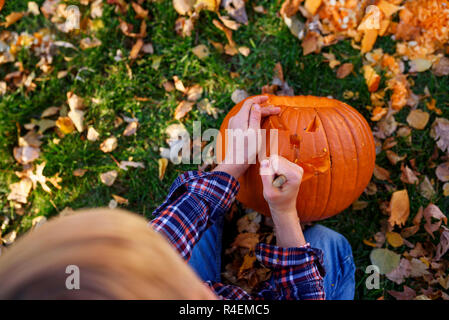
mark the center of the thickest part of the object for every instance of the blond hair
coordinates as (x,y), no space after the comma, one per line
(118,256)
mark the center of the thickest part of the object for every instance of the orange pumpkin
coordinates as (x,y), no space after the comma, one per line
(329,139)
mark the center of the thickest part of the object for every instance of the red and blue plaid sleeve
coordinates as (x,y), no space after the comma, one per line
(194,202)
(297,272)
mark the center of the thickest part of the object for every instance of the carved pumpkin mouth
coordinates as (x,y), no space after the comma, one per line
(312,164)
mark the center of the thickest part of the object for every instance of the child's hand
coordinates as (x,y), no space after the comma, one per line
(282,201)
(240,154)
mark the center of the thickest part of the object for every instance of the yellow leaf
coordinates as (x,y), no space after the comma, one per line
(394,239)
(418,119)
(65,124)
(248,262)
(369,243)
(163,163)
(312,6)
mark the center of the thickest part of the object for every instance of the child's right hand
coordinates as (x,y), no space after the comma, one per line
(282,201)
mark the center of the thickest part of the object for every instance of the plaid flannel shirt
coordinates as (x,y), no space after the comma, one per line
(196,200)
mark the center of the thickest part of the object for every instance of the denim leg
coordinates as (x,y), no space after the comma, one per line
(339,281)
(206,255)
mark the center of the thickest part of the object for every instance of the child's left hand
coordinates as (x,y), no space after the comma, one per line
(248,121)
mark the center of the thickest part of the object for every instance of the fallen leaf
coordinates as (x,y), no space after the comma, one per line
(418,268)
(38,222)
(77,117)
(401,272)
(109,144)
(426,189)
(125,164)
(440,132)
(92,134)
(443,245)
(135,50)
(359,205)
(290,7)
(9,238)
(26,154)
(201,51)
(393,157)
(344,70)
(385,260)
(141,13)
(88,43)
(432,211)
(441,67)
(183,108)
(239,95)
(312,6)
(131,129)
(79,172)
(372,79)
(419,65)
(162,166)
(418,119)
(65,124)
(399,208)
(442,171)
(407,294)
(446,189)
(20,190)
(51,111)
(394,239)
(248,263)
(108,178)
(310,44)
(183,7)
(178,84)
(120,199)
(194,92)
(236,9)
(381,173)
(247,240)
(245,51)
(12,18)
(408,176)
(231,24)
(168,86)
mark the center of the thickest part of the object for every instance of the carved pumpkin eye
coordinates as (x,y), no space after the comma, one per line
(330,140)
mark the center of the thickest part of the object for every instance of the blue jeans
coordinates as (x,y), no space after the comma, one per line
(339,281)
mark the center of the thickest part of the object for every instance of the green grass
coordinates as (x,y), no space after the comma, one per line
(270,42)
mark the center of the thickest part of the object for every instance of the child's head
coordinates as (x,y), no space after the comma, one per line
(118,256)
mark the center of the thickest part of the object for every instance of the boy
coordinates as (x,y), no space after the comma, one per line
(191,218)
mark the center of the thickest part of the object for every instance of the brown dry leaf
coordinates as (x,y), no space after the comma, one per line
(394,239)
(441,67)
(88,43)
(399,208)
(51,111)
(344,70)
(408,176)
(245,51)
(125,164)
(407,294)
(162,165)
(248,263)
(409,231)
(109,144)
(120,199)
(418,268)
(75,102)
(440,132)
(432,211)
(310,44)
(394,158)
(141,13)
(20,190)
(381,173)
(131,128)
(168,86)
(183,7)
(426,189)
(12,18)
(247,240)
(65,124)
(290,7)
(194,92)
(418,119)
(92,134)
(183,108)
(446,189)
(231,24)
(108,178)
(26,154)
(136,49)
(359,205)
(239,95)
(236,9)
(401,272)
(201,51)
(443,245)
(79,172)
(442,171)
(184,27)
(179,85)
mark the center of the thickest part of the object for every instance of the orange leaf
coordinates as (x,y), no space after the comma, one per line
(399,208)
(12,18)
